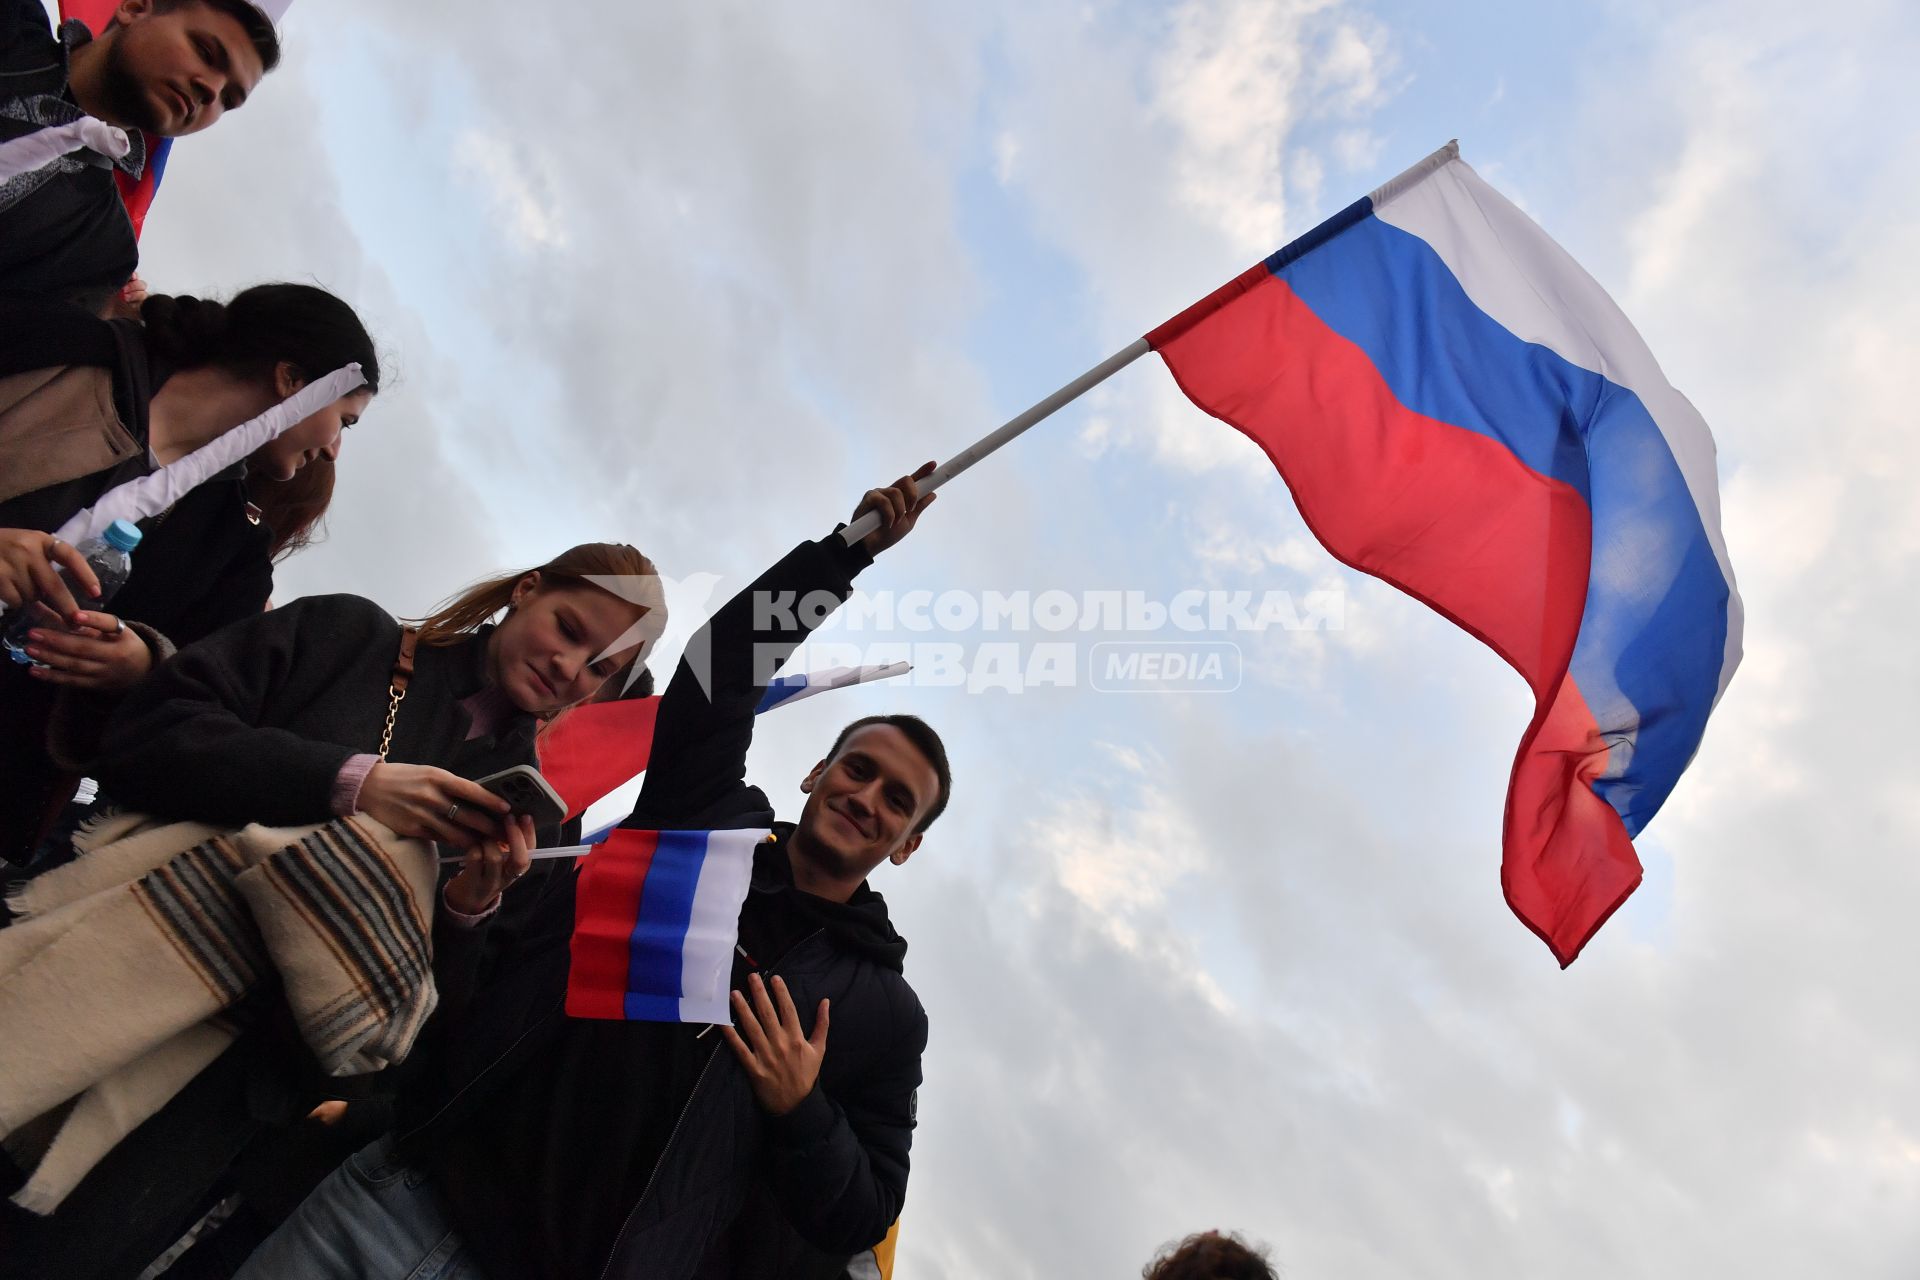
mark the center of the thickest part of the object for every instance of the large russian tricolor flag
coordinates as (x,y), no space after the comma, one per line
(656,918)
(1461,410)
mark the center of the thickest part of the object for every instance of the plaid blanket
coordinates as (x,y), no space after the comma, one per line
(114,985)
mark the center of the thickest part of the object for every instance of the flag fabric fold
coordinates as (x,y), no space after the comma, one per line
(594,750)
(782,690)
(656,919)
(1461,410)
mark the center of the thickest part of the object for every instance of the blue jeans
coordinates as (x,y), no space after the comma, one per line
(372,1219)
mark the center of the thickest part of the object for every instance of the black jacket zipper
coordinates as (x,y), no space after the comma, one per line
(681,1120)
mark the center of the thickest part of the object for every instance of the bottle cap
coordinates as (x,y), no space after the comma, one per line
(123,534)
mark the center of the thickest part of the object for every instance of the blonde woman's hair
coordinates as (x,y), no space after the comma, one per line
(575,567)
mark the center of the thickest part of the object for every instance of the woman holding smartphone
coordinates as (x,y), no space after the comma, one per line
(284,718)
(290,717)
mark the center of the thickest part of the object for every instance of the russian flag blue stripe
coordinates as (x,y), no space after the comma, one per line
(649,1006)
(1441,355)
(784,689)
(779,689)
(656,916)
(660,931)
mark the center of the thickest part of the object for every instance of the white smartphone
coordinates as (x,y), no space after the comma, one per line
(528,793)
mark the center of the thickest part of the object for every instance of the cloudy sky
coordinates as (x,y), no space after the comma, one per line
(694,274)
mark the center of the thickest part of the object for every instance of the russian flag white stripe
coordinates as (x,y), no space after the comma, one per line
(706,960)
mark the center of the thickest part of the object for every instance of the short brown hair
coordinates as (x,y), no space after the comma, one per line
(1209,1255)
(259,28)
(925,740)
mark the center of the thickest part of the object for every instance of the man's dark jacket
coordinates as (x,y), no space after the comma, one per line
(545,1148)
(64,232)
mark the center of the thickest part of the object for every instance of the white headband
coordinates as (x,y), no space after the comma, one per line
(156,491)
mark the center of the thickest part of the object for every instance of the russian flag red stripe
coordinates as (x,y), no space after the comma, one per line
(607,900)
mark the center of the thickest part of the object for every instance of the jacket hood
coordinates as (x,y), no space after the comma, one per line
(859,925)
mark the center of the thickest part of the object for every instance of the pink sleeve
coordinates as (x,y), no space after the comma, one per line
(461,920)
(347,783)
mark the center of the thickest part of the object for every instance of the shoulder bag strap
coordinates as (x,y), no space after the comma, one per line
(397,687)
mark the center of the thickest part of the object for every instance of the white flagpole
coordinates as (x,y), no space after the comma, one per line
(981,448)
(558,851)
(1101,372)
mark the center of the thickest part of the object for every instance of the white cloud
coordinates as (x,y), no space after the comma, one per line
(505,183)
(1235,80)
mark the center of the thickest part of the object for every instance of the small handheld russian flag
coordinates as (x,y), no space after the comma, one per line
(656,919)
(593,750)
(784,689)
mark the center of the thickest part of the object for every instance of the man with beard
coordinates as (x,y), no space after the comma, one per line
(163,67)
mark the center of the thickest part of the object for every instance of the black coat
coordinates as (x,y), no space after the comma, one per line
(249,725)
(69,236)
(253,723)
(733,1191)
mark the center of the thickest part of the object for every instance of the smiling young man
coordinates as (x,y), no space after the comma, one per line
(560,1147)
(163,67)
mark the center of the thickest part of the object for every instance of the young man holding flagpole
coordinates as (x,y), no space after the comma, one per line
(563,1146)
(76,108)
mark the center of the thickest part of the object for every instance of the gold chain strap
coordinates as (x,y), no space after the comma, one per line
(397,687)
(395,696)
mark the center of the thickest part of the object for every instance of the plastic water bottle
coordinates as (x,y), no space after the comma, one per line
(110,556)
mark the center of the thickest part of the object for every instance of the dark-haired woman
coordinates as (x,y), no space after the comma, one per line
(87,404)
(294,509)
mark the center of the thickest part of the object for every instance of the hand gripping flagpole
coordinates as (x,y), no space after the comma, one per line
(959,462)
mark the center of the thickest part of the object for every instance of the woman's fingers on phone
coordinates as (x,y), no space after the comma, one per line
(474,823)
(472,794)
(477,810)
(519,846)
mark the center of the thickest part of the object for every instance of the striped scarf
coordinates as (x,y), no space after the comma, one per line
(115,986)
